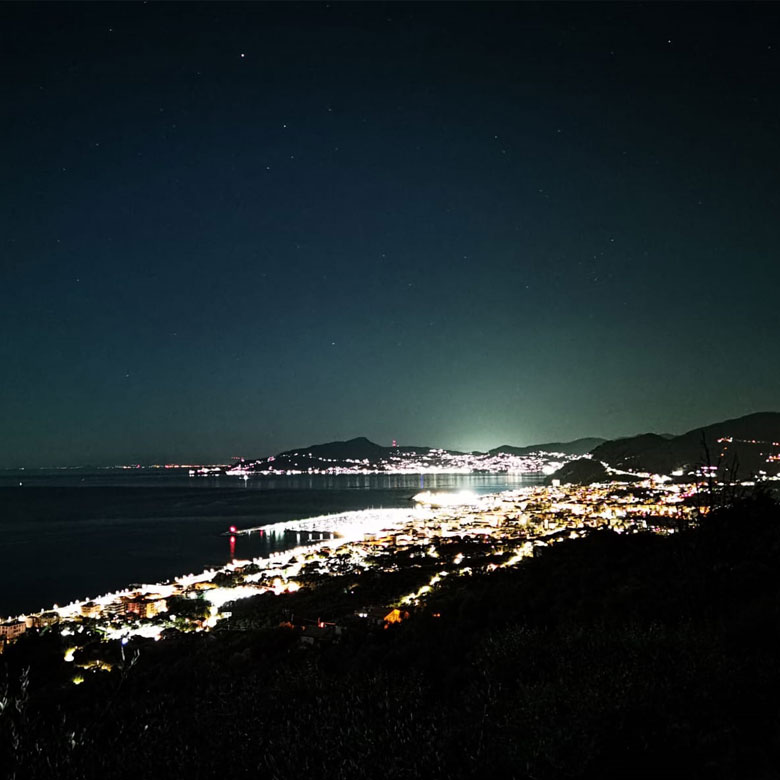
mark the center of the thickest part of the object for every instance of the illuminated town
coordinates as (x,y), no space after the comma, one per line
(431,461)
(405,553)
(441,535)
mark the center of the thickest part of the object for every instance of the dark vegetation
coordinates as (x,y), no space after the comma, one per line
(617,655)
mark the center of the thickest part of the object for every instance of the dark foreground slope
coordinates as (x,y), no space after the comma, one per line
(632,656)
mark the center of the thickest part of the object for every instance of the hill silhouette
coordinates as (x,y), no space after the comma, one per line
(585,471)
(339,454)
(342,453)
(754,438)
(576,447)
(357,448)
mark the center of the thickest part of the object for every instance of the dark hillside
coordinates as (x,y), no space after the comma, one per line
(743,445)
(617,655)
(576,447)
(585,471)
(339,453)
(358,448)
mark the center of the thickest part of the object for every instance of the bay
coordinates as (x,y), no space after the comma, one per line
(72,534)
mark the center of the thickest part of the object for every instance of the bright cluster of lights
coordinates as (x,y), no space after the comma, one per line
(413,598)
(217,597)
(515,522)
(146,630)
(460,498)
(431,461)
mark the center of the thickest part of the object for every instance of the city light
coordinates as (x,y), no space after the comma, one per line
(460,498)
(500,530)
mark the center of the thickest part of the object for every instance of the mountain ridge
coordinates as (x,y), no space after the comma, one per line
(361,447)
(361,452)
(741,445)
(574,447)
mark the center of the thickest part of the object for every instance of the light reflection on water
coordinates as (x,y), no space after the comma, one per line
(69,535)
(484,483)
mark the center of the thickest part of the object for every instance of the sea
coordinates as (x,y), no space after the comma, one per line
(72,534)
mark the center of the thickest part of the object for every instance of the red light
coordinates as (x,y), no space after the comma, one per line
(232,529)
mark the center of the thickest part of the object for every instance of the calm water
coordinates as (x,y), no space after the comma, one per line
(74,534)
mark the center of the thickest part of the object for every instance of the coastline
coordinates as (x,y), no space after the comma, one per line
(342,527)
(64,541)
(514,523)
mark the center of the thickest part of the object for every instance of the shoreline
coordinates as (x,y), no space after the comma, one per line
(509,525)
(339,536)
(65,542)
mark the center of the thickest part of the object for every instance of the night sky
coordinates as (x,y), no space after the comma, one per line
(234,229)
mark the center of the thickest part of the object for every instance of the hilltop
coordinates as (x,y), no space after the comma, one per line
(359,448)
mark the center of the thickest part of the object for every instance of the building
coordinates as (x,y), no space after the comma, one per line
(91,609)
(11,631)
(42,620)
(383,616)
(146,607)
